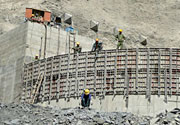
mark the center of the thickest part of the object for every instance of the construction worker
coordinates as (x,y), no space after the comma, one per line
(77,48)
(32,15)
(97,46)
(86,98)
(36,57)
(120,38)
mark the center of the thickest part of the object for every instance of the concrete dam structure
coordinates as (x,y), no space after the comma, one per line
(140,80)
(20,45)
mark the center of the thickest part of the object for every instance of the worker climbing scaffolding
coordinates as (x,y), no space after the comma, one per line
(120,38)
(77,48)
(97,46)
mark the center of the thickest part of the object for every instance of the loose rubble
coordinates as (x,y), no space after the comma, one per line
(168,118)
(27,114)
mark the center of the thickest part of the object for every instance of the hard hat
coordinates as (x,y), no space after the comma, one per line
(120,30)
(32,14)
(77,43)
(86,92)
(97,39)
(36,55)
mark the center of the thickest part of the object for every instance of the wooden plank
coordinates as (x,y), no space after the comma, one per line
(105,74)
(95,73)
(51,79)
(85,79)
(58,81)
(165,86)
(177,83)
(39,83)
(44,82)
(126,73)
(137,55)
(69,90)
(170,73)
(76,82)
(159,73)
(150,86)
(127,93)
(147,75)
(115,72)
(78,89)
(67,78)
(32,84)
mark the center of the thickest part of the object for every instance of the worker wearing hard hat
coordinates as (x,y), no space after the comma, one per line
(120,38)
(36,57)
(97,46)
(77,48)
(86,98)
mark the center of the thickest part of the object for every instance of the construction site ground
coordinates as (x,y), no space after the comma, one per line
(28,114)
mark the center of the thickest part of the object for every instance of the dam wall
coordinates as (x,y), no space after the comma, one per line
(20,45)
(147,78)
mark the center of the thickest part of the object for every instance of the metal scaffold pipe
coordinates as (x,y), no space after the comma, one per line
(45,40)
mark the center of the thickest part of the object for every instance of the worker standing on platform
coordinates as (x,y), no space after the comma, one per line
(120,38)
(86,98)
(36,57)
(77,48)
(97,46)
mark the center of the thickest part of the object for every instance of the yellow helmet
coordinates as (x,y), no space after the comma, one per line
(36,55)
(77,43)
(97,39)
(120,30)
(86,92)
(32,14)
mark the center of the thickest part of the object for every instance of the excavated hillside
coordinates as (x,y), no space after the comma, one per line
(158,20)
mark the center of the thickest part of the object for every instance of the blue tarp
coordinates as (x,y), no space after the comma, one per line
(69,29)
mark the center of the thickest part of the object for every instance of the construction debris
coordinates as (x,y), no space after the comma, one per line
(169,118)
(29,114)
(17,114)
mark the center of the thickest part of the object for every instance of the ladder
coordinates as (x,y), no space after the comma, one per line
(36,88)
(72,40)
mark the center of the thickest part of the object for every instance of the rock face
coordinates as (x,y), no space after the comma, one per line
(21,114)
(157,20)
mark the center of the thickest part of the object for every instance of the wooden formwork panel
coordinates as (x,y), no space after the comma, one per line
(141,71)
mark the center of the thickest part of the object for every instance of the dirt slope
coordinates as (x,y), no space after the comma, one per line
(158,20)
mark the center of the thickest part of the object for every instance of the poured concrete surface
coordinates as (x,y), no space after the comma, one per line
(138,104)
(20,46)
(12,51)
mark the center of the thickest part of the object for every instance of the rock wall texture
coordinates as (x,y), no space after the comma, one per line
(158,20)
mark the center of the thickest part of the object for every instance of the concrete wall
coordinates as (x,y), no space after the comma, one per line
(19,46)
(12,51)
(54,35)
(137,104)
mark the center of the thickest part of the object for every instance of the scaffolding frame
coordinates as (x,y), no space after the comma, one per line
(142,71)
